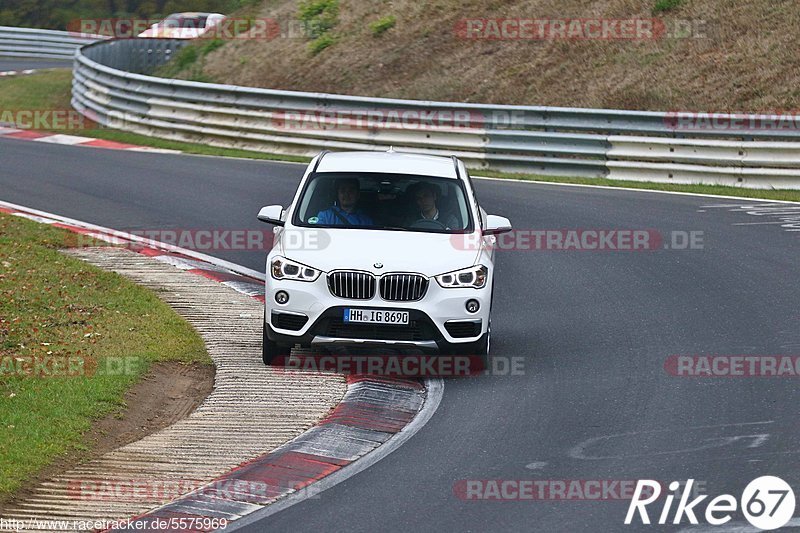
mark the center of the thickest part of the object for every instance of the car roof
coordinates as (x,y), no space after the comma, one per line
(390,162)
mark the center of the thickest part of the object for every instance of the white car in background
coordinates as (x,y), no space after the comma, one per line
(184,26)
(381,249)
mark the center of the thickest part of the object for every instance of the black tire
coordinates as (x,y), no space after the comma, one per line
(271,350)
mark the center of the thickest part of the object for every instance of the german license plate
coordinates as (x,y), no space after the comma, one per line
(376,316)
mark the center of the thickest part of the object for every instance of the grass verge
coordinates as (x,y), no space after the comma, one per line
(73,340)
(716,190)
(51,90)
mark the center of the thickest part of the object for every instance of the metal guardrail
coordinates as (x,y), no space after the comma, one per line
(49,44)
(112,85)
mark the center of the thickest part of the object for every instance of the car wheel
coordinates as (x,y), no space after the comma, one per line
(271,350)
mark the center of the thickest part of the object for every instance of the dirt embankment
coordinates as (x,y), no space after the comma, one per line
(724,55)
(169,392)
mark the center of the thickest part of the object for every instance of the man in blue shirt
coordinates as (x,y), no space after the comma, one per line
(345,211)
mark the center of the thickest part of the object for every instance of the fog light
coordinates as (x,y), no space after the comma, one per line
(281,297)
(473,306)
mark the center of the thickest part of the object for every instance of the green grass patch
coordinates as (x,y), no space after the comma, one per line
(663,6)
(766,194)
(185,57)
(51,90)
(382,25)
(189,61)
(318,16)
(103,330)
(210,46)
(45,90)
(321,43)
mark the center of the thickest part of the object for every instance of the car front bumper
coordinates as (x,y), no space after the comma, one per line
(313,317)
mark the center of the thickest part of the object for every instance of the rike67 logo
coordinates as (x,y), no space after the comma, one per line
(767,502)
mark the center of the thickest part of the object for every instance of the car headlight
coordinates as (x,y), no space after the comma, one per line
(282,268)
(474,276)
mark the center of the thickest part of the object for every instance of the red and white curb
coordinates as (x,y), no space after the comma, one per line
(240,279)
(371,414)
(375,417)
(76,140)
(16,72)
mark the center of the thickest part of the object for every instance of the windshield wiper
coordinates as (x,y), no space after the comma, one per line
(392,228)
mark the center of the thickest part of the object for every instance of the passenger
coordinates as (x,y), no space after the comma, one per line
(426,196)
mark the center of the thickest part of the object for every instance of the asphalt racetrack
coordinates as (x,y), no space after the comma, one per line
(590,333)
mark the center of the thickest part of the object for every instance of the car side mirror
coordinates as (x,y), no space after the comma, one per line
(272,214)
(496,225)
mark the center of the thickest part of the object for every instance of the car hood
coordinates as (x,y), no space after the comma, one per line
(398,251)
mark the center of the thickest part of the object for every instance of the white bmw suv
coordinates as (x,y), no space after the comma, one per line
(381,249)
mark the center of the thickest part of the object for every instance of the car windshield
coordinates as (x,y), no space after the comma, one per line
(184,21)
(384,202)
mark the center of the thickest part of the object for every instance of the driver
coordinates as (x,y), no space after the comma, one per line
(345,211)
(426,196)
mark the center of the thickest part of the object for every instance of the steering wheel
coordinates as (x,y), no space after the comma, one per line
(428,223)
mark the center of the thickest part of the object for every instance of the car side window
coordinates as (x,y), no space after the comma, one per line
(311,194)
